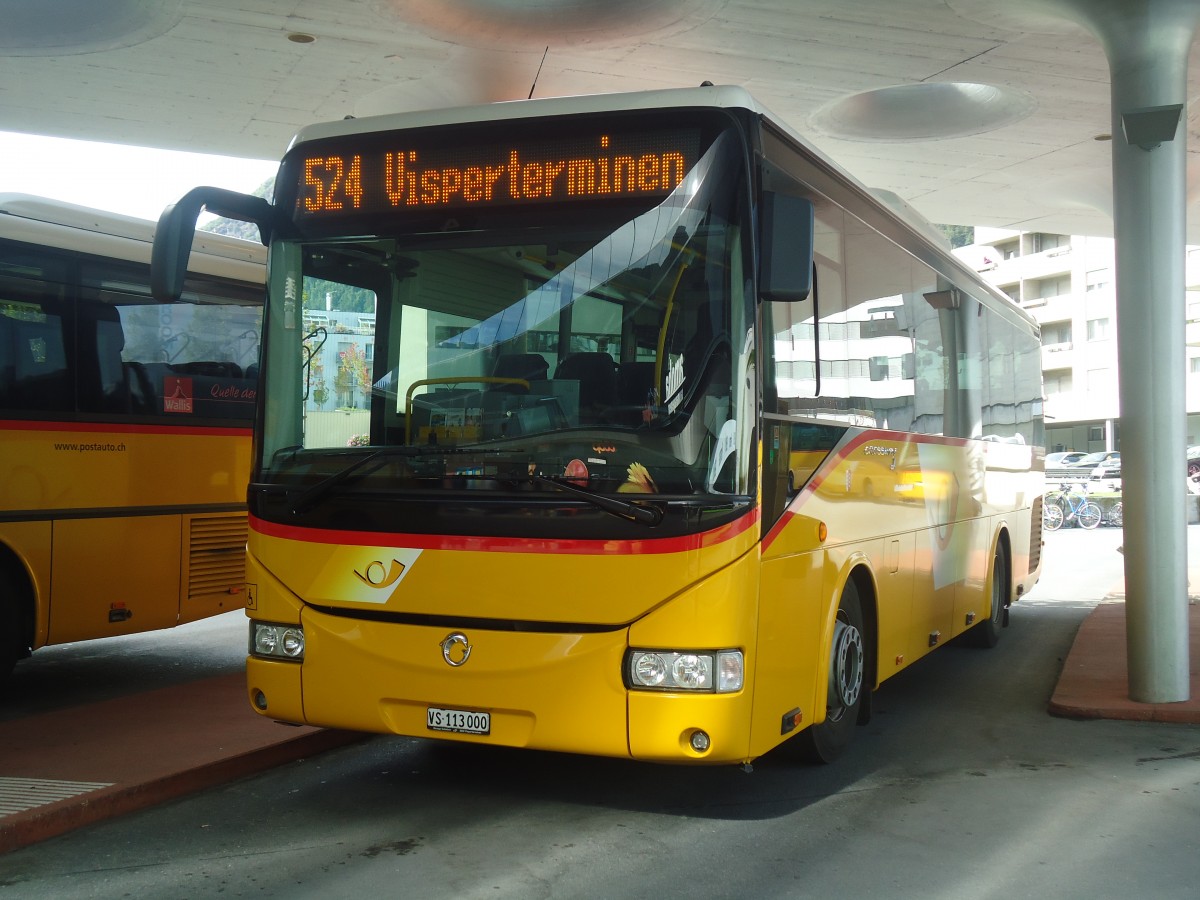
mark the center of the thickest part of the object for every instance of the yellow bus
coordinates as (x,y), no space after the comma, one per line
(125,427)
(681,442)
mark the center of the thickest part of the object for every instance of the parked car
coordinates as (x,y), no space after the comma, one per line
(1084,468)
(1193,469)
(1064,458)
(1193,461)
(1107,476)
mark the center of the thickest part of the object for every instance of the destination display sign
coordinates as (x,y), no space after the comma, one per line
(359,175)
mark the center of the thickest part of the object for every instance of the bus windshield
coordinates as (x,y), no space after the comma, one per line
(609,351)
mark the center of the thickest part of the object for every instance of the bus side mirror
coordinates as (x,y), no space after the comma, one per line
(787,247)
(177,227)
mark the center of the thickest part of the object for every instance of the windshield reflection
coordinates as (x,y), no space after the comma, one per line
(604,355)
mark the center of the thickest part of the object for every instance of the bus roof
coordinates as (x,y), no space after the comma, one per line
(718,97)
(68,226)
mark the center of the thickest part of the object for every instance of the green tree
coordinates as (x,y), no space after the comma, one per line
(959,235)
(352,371)
(246,231)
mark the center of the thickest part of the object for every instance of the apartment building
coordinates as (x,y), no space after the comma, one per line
(1067,283)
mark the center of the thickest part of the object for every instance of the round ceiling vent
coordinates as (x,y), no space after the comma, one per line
(928,111)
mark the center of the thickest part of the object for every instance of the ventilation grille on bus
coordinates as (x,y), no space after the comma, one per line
(1035,535)
(216,555)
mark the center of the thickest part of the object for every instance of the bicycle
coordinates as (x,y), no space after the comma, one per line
(1060,507)
(1115,515)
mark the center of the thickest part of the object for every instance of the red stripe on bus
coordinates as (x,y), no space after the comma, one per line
(508,544)
(833,459)
(105,428)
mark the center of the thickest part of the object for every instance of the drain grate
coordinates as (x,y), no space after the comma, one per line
(20,794)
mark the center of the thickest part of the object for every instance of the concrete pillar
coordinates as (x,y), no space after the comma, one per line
(1147,44)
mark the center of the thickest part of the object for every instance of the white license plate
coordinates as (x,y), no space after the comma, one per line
(459,720)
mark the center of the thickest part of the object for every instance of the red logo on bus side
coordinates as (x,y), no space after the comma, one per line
(177,394)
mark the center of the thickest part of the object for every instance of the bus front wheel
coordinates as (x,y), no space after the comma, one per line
(847,686)
(12,645)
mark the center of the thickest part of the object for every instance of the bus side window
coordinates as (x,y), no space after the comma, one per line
(40,376)
(103,380)
(8,363)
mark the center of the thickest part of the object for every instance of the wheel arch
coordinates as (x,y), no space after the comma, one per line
(18,574)
(1003,539)
(857,570)
(868,598)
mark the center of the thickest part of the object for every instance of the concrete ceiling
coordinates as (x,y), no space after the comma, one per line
(977,112)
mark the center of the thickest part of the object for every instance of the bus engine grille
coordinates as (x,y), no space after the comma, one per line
(216,555)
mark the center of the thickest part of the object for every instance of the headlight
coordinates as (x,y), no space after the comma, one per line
(720,671)
(272,641)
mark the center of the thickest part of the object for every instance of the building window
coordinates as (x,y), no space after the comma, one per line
(1040,243)
(1050,287)
(1056,333)
(1097,329)
(1095,433)
(1057,382)
(1099,279)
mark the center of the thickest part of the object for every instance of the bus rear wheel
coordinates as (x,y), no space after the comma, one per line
(847,687)
(987,633)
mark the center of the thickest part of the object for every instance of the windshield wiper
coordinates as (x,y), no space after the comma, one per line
(633,512)
(365,466)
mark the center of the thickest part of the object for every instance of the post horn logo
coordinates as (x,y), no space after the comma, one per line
(379,576)
(456,649)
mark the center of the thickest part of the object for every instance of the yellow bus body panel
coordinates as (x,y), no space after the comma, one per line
(95,585)
(93,496)
(550,691)
(920,545)
(531,581)
(719,613)
(97,468)
(279,685)
(545,689)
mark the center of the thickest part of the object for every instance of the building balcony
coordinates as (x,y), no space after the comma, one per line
(1058,356)
(1192,269)
(1191,333)
(1053,309)
(1081,406)
(1034,266)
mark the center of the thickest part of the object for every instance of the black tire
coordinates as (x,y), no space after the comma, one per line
(12,641)
(1089,516)
(986,634)
(847,685)
(1052,516)
(1116,515)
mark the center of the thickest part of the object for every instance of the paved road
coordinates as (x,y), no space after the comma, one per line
(961,787)
(85,672)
